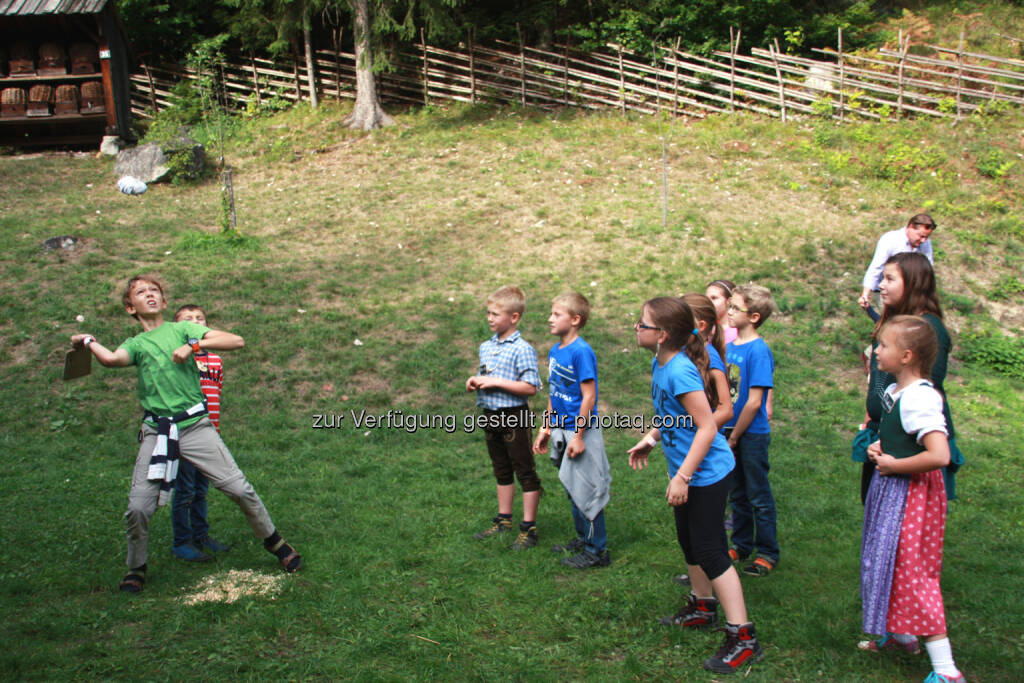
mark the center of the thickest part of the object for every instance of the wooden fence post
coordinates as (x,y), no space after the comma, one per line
(842,79)
(255,78)
(152,89)
(622,83)
(959,73)
(774,51)
(472,67)
(522,67)
(426,72)
(675,79)
(903,61)
(337,61)
(565,74)
(734,44)
(298,83)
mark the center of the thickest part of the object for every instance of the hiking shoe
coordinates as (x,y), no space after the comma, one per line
(190,553)
(888,642)
(740,647)
(500,525)
(588,560)
(526,539)
(695,613)
(760,567)
(682,579)
(576,545)
(935,677)
(211,545)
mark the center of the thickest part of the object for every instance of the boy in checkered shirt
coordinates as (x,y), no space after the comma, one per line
(506,378)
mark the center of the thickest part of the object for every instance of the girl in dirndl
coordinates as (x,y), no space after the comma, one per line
(905,511)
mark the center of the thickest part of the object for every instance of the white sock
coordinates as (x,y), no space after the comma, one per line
(904,639)
(941,654)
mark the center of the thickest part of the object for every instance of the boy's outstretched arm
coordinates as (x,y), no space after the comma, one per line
(214,340)
(107,358)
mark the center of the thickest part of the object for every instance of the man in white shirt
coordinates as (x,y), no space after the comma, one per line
(914,237)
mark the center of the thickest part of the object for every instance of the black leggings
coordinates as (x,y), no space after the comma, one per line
(700,527)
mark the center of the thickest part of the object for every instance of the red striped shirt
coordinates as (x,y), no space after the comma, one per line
(211,381)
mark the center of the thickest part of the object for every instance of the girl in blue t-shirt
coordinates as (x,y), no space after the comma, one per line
(699,463)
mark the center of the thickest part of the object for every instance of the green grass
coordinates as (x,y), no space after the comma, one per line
(395,238)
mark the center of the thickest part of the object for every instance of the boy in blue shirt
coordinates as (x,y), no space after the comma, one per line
(507,377)
(749,432)
(571,425)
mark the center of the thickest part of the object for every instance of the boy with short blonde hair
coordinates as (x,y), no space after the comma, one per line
(751,369)
(573,429)
(175,423)
(507,376)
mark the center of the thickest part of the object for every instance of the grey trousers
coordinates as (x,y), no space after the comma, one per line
(201,445)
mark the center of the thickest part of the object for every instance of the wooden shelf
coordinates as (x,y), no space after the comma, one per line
(16,80)
(50,119)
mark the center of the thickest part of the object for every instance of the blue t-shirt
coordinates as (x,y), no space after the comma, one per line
(750,365)
(677,377)
(567,367)
(715,361)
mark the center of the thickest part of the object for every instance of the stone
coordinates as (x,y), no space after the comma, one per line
(65,242)
(150,162)
(111,145)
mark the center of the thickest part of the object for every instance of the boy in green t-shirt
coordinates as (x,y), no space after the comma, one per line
(175,423)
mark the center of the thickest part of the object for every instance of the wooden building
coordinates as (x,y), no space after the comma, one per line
(64,70)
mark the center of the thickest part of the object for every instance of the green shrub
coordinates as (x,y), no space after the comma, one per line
(1003,354)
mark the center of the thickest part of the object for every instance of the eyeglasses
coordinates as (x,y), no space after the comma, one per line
(640,326)
(732,308)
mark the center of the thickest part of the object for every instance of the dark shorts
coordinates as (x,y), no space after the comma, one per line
(511,449)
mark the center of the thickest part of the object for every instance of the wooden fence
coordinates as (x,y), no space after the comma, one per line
(884,85)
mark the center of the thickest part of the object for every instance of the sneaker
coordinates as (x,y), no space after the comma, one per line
(574,546)
(682,579)
(526,539)
(935,677)
(190,553)
(734,555)
(888,642)
(588,560)
(695,613)
(212,545)
(500,525)
(760,567)
(740,647)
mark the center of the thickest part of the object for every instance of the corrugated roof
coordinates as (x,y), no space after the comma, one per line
(38,7)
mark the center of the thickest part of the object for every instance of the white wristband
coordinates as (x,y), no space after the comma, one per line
(650,441)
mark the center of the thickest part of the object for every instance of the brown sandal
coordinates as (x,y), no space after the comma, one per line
(291,562)
(132,582)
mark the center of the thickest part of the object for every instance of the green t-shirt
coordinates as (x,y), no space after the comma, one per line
(166,388)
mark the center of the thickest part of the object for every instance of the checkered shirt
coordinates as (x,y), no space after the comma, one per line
(512,358)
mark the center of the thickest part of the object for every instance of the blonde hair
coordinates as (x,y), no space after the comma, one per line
(915,334)
(575,303)
(758,300)
(510,298)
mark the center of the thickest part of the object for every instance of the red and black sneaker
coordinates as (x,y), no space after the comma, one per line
(740,647)
(695,613)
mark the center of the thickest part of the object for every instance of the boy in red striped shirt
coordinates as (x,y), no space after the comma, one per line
(188,508)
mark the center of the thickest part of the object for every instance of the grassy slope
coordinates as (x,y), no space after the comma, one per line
(394,239)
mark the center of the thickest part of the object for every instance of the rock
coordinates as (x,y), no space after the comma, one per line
(111,145)
(65,242)
(146,162)
(151,162)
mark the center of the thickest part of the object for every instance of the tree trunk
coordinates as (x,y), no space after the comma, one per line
(368,113)
(310,65)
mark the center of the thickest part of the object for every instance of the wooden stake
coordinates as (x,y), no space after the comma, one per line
(298,84)
(842,78)
(337,61)
(152,88)
(426,73)
(774,48)
(522,67)
(255,79)
(565,74)
(959,73)
(734,44)
(472,68)
(675,79)
(622,84)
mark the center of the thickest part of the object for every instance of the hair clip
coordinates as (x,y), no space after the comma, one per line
(696,332)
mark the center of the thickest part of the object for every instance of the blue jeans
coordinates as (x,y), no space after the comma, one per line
(753,507)
(593,534)
(188,507)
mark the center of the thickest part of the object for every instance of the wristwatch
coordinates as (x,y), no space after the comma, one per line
(194,343)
